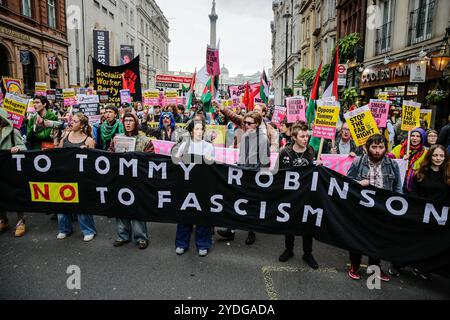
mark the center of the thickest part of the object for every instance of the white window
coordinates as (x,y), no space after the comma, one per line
(422,20)
(331,4)
(51,13)
(26,8)
(384,36)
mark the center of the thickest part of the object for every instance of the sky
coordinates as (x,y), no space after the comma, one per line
(243,29)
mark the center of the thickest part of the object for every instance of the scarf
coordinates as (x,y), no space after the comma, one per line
(108,131)
(415,153)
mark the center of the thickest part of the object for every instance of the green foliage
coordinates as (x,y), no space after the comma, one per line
(324,72)
(436,96)
(288,92)
(347,46)
(350,97)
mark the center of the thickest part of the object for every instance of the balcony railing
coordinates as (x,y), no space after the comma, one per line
(384,38)
(421,23)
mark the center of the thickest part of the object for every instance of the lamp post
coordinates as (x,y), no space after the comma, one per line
(148,71)
(286,16)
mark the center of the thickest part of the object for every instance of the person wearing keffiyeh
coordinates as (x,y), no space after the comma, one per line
(109,128)
(416,156)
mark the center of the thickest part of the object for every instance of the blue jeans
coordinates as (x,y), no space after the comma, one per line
(87,224)
(203,236)
(126,226)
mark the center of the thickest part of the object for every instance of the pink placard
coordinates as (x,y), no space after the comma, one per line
(296,109)
(380,111)
(278,115)
(70,101)
(212,62)
(15,119)
(324,132)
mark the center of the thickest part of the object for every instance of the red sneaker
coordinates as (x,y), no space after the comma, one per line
(384,277)
(353,272)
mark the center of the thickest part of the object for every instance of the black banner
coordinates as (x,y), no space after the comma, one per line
(116,78)
(101,46)
(314,200)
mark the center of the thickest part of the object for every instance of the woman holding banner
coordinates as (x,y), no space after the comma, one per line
(431,182)
(189,149)
(417,153)
(79,136)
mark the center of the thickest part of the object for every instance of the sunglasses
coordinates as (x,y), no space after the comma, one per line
(166,117)
(248,123)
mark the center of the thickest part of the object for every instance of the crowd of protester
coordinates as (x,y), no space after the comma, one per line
(53,126)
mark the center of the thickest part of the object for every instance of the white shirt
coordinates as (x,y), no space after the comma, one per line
(200,148)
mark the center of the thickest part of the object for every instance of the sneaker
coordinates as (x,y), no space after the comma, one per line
(142,244)
(393,271)
(88,237)
(61,236)
(353,272)
(4,225)
(227,234)
(384,277)
(203,252)
(179,251)
(286,255)
(250,238)
(309,259)
(20,229)
(119,242)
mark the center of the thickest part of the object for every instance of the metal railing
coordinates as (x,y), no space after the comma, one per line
(384,38)
(421,23)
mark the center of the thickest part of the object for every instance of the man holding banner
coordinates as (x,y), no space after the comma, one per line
(377,170)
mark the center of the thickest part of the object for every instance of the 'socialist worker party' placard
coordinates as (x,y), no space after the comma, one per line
(362,125)
(410,115)
(326,119)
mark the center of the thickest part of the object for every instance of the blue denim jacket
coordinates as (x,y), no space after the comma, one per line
(392,181)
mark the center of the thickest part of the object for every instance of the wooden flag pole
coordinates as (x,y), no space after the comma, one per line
(408,147)
(319,154)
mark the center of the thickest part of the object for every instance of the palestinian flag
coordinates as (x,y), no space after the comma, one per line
(311,110)
(331,86)
(209,92)
(191,91)
(264,88)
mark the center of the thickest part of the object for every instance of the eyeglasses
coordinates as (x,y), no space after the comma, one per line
(128,120)
(248,123)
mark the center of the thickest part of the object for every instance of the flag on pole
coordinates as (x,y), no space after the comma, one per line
(311,110)
(331,86)
(251,102)
(264,88)
(191,91)
(246,98)
(209,92)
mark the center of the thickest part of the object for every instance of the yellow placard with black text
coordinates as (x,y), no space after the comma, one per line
(362,125)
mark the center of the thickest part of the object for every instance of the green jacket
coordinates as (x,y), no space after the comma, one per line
(9,136)
(37,135)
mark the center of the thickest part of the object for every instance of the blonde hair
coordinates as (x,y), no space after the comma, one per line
(85,126)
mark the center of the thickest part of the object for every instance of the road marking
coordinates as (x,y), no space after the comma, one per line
(268,280)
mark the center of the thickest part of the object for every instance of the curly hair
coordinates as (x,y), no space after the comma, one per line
(425,166)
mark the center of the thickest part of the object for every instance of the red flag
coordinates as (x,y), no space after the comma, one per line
(246,98)
(315,89)
(251,103)
(331,86)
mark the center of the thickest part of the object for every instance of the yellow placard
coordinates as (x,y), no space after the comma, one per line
(149,94)
(327,116)
(362,125)
(227,103)
(410,115)
(54,192)
(15,104)
(383,96)
(171,94)
(425,114)
(40,87)
(69,93)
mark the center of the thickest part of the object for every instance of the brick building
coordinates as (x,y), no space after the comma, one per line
(31,32)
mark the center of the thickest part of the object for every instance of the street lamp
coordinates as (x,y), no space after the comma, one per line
(148,71)
(287,15)
(442,59)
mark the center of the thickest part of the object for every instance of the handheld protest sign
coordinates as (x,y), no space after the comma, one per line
(125,96)
(326,120)
(425,114)
(410,115)
(380,111)
(69,97)
(151,98)
(40,89)
(296,109)
(361,124)
(16,108)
